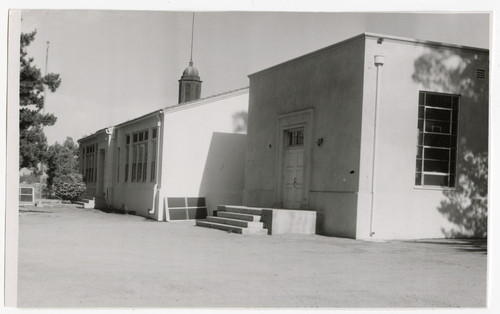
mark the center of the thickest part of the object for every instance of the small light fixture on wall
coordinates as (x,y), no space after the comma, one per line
(319,142)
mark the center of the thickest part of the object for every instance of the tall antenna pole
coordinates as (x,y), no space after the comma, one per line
(45,74)
(43,112)
(192,36)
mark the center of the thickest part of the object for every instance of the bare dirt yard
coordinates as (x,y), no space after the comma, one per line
(74,257)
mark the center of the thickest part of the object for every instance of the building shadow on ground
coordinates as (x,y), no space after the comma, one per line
(462,245)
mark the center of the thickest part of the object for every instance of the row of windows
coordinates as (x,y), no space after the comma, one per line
(139,136)
(136,165)
(435,158)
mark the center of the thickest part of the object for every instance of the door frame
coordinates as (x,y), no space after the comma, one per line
(292,120)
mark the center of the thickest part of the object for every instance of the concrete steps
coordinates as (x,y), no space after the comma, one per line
(239,216)
(236,222)
(229,228)
(86,203)
(241,209)
(237,219)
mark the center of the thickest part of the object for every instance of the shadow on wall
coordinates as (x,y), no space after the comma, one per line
(467,206)
(456,72)
(240,121)
(224,172)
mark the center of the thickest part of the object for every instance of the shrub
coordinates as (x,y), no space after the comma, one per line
(69,187)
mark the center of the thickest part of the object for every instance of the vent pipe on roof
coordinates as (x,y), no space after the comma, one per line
(379,62)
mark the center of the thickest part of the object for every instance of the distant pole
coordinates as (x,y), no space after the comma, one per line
(45,74)
(43,112)
(192,36)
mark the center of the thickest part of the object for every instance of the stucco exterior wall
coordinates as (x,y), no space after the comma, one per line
(204,148)
(338,84)
(402,210)
(99,188)
(133,195)
(330,83)
(200,153)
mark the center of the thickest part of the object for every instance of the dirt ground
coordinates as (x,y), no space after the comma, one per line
(74,257)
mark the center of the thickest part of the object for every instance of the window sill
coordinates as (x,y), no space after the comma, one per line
(434,188)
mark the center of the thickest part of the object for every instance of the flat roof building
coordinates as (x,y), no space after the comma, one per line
(384,137)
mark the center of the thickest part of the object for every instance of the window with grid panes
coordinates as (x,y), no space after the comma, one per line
(437,139)
(294,137)
(127,155)
(90,163)
(118,166)
(134,162)
(139,156)
(154,135)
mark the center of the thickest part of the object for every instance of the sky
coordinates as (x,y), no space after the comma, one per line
(117,65)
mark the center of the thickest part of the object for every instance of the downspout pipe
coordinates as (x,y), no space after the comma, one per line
(157,186)
(108,197)
(379,62)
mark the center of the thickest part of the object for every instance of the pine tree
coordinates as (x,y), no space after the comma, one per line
(32,140)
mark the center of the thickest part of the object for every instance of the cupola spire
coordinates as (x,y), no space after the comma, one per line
(190,83)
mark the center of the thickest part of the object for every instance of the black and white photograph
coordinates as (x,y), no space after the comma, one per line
(198,159)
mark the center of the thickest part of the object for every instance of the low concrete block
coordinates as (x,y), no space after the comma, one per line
(279,221)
